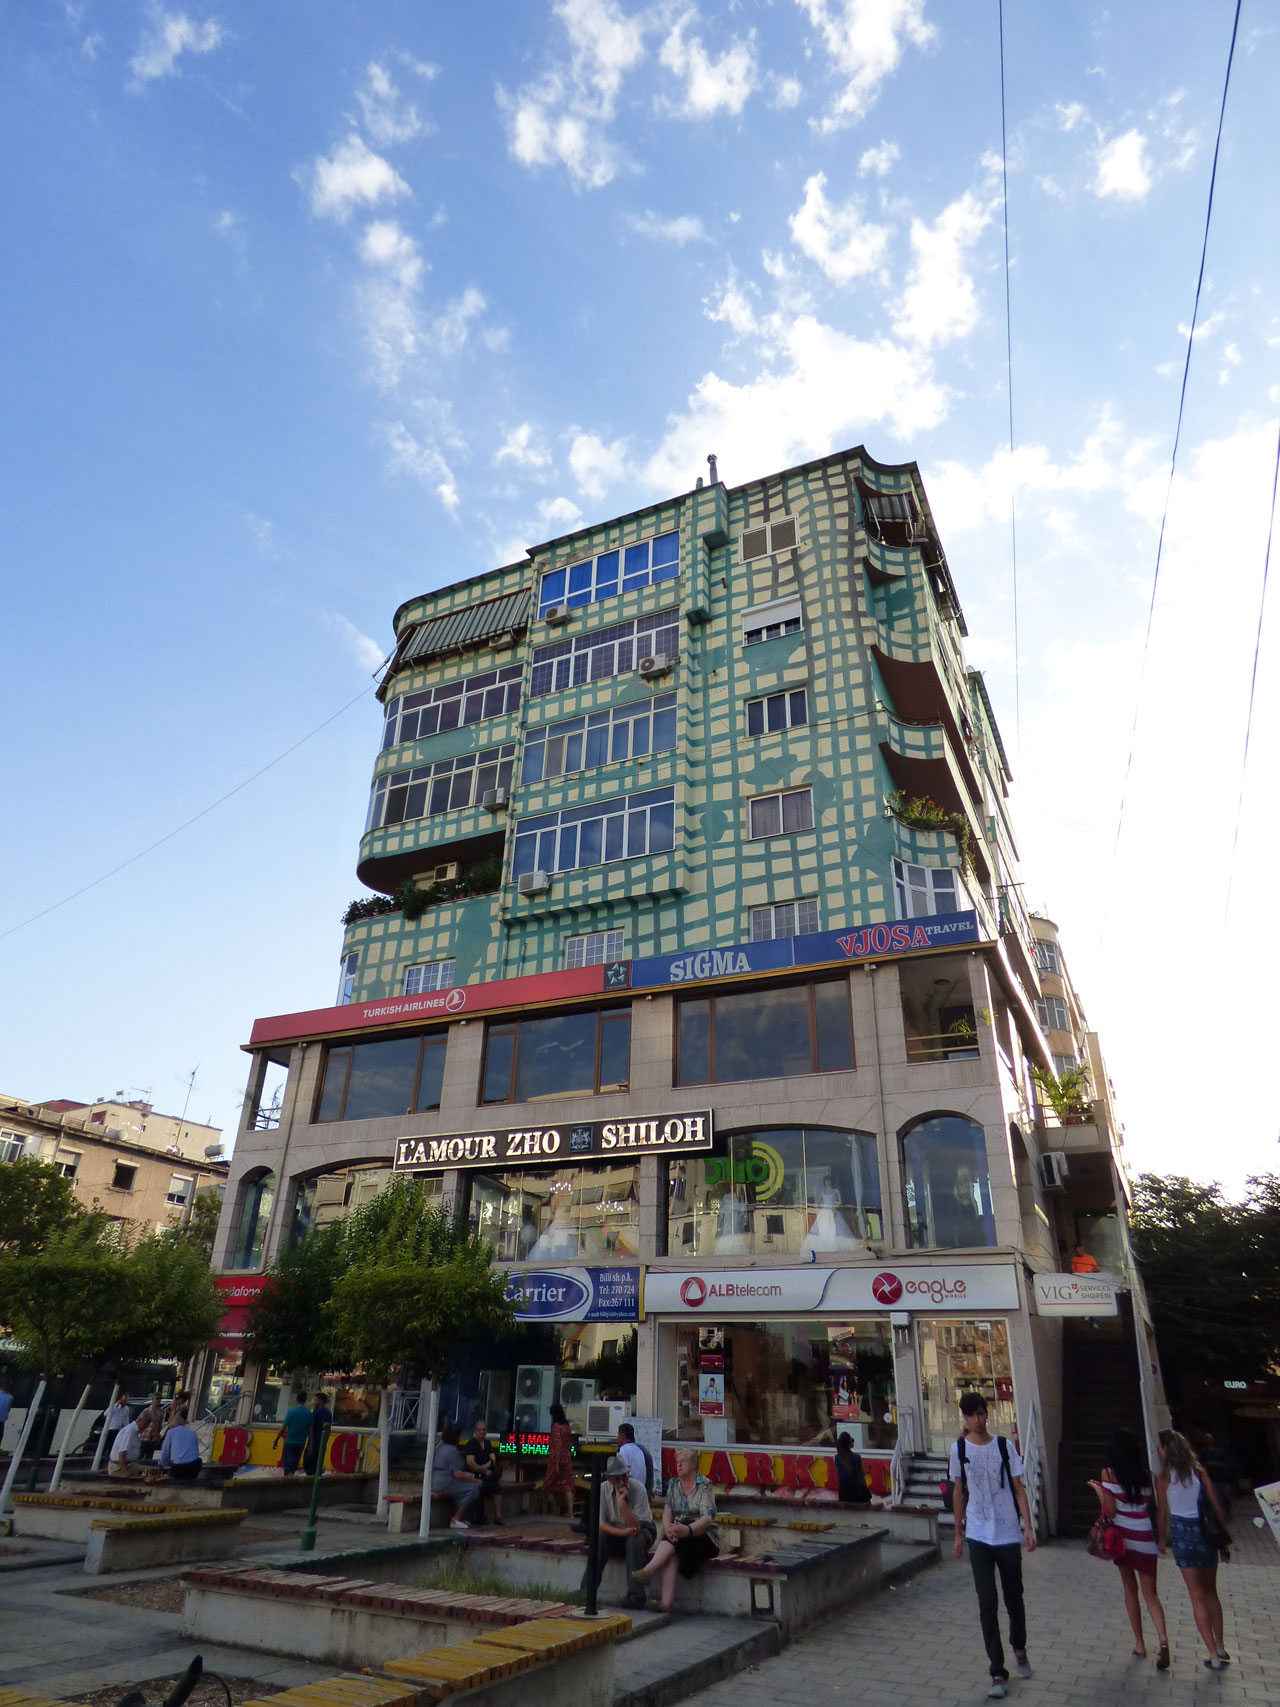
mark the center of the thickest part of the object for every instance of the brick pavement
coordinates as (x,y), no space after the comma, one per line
(920,1646)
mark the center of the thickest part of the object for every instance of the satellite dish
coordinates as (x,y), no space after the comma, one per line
(212,1150)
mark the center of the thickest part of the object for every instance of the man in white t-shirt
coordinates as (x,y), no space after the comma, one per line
(126,1450)
(991,1509)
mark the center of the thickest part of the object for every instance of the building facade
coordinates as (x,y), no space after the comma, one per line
(698,954)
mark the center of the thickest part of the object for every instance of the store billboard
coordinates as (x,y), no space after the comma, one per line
(1075,1295)
(925,1288)
(574,1141)
(577,1294)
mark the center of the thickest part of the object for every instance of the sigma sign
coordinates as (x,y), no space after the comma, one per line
(904,936)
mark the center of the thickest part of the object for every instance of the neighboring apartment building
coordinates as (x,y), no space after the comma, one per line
(144,1182)
(712,966)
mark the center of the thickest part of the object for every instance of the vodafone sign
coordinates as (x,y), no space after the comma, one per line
(926,1288)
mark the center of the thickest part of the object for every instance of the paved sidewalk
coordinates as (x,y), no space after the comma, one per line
(920,1646)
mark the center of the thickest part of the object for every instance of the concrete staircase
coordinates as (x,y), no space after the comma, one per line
(925,1477)
(1100,1393)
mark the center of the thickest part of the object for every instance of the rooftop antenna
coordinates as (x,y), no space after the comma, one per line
(711,463)
(697,485)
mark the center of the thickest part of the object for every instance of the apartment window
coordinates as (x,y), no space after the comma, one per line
(772,621)
(893,517)
(1053,1011)
(602,738)
(765,1034)
(557,1055)
(594,950)
(392,1076)
(430,975)
(603,653)
(123,1177)
(777,711)
(924,889)
(13,1146)
(781,814)
(775,536)
(349,966)
(181,1187)
(622,828)
(948,1191)
(492,693)
(783,919)
(449,786)
(1048,958)
(1064,1064)
(255,1217)
(67,1163)
(630,567)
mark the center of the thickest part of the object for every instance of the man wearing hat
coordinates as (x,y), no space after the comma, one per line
(627,1529)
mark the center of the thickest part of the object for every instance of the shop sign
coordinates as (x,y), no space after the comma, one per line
(346,1451)
(925,1288)
(707,965)
(1075,1295)
(766,1467)
(238,1293)
(581,1141)
(576,1294)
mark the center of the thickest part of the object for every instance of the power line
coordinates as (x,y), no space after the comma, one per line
(1177,436)
(186,823)
(1008,351)
(1253,681)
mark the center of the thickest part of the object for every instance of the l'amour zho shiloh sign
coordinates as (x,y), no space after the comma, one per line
(587,1140)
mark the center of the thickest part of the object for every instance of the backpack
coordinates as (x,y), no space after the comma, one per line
(648,1470)
(948,1486)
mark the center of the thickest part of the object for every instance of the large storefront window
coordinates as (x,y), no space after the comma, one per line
(255,1217)
(788,1383)
(390,1076)
(557,1055)
(589,1213)
(779,1191)
(964,1357)
(329,1197)
(765,1034)
(948,1191)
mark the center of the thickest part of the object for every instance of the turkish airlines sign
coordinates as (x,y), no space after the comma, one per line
(926,1288)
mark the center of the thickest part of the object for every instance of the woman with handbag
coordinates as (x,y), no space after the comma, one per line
(1123,1493)
(1192,1521)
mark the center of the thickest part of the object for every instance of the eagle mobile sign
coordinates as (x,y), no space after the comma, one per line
(577,1141)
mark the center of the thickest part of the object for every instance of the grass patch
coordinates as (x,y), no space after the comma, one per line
(452,1578)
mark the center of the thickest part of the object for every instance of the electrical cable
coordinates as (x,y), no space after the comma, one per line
(1177,435)
(1008,352)
(1253,682)
(186,823)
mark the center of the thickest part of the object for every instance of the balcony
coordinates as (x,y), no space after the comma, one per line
(922,763)
(398,851)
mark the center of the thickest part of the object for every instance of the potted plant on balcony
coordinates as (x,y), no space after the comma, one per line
(921,812)
(1067,1094)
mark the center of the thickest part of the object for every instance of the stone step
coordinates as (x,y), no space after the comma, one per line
(699,1651)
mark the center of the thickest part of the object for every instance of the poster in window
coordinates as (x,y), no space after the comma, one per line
(844,1398)
(711,1395)
(710,1339)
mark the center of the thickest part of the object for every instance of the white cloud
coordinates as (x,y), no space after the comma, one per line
(1071,115)
(264,536)
(452,328)
(684,228)
(1124,171)
(366,652)
(93,44)
(711,85)
(522,447)
(733,308)
(596,465)
(421,462)
(787,92)
(864,40)
(386,246)
(173,34)
(388,117)
(878,160)
(353,176)
(563,117)
(1206,328)
(939,302)
(560,513)
(837,238)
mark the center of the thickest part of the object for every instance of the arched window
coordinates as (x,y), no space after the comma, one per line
(948,1190)
(255,1217)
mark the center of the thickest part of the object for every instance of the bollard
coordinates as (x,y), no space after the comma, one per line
(307,1540)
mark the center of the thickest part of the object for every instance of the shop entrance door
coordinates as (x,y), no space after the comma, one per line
(962,1356)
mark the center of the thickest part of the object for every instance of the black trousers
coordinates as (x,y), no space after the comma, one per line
(986,1562)
(634,1549)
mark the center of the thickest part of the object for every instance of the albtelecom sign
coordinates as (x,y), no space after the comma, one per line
(579,1141)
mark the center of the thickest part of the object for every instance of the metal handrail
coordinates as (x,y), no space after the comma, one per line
(404,1410)
(1031,1466)
(903,1453)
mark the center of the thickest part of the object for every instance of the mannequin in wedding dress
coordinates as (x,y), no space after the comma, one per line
(733,1235)
(560,1238)
(830,1230)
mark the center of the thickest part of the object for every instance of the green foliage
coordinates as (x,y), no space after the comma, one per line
(201,1225)
(172,1307)
(370,907)
(289,1323)
(1212,1274)
(1067,1093)
(922,813)
(615,1371)
(36,1204)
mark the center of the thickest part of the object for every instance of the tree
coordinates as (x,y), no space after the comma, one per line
(200,1227)
(36,1203)
(1212,1274)
(63,1305)
(289,1324)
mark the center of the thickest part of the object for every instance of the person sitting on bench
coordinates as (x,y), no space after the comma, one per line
(180,1452)
(483,1461)
(627,1529)
(450,1477)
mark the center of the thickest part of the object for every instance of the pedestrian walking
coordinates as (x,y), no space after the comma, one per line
(1188,1506)
(557,1480)
(991,1510)
(1125,1490)
(294,1431)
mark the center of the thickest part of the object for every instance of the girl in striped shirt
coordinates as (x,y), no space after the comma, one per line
(1123,1493)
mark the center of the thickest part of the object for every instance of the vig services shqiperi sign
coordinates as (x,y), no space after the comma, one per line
(574,1141)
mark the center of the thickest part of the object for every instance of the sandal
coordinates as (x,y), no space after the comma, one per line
(1162,1658)
(1139,1653)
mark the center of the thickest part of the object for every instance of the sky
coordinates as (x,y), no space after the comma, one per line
(310,308)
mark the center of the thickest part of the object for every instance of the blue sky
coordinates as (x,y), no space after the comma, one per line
(310,308)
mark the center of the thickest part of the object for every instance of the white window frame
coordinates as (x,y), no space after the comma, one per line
(1048,1021)
(432,975)
(180,1199)
(624,580)
(798,918)
(597,948)
(464,779)
(938,882)
(552,841)
(782,535)
(68,1163)
(7,1141)
(565,744)
(602,653)
(348,966)
(1048,957)
(782,616)
(787,696)
(1064,1064)
(781,795)
(488,693)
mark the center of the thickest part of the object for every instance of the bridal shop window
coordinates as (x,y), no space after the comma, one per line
(790,1383)
(777,1191)
(588,1213)
(948,1189)
(768,1033)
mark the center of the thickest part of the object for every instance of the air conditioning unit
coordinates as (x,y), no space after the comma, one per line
(535,1385)
(575,1390)
(1054,1169)
(603,1417)
(438,873)
(493,799)
(652,668)
(556,615)
(534,883)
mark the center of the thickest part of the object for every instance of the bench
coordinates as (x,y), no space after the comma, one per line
(131,1543)
(404,1511)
